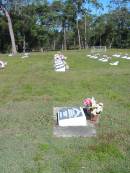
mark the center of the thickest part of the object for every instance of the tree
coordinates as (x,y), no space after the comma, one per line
(119,11)
(14,51)
(81,11)
(63,24)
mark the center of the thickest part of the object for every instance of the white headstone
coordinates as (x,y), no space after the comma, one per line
(59,65)
(72,116)
(2,64)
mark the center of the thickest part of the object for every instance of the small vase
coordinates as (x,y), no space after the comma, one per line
(95,118)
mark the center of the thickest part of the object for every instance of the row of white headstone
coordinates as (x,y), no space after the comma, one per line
(25,55)
(122,56)
(104,58)
(3,64)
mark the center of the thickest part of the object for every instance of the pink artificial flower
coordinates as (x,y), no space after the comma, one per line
(87,102)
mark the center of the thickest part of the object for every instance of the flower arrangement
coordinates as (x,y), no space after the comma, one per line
(92,107)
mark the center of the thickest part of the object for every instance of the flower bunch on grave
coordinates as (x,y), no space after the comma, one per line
(92,107)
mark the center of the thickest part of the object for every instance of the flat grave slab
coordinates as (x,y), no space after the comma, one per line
(69,126)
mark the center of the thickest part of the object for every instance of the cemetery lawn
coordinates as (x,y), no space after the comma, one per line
(29,88)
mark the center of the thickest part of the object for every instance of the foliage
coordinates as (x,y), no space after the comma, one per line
(43,25)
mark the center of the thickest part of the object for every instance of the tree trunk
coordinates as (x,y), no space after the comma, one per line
(65,47)
(85,32)
(24,44)
(74,43)
(110,45)
(62,46)
(14,51)
(41,49)
(100,39)
(79,38)
(54,45)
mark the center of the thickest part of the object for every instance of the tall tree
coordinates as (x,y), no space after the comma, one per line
(79,5)
(119,10)
(5,11)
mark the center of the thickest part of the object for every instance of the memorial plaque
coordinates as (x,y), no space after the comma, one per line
(66,113)
(72,122)
(71,116)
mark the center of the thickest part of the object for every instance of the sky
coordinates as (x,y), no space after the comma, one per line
(94,10)
(105,4)
(100,11)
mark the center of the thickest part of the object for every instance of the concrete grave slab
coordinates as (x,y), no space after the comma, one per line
(80,128)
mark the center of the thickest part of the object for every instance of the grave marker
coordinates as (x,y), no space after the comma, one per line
(71,116)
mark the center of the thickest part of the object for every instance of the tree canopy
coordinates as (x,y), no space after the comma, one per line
(65,24)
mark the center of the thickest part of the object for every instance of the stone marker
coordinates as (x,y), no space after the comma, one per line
(2,64)
(72,122)
(71,116)
(59,65)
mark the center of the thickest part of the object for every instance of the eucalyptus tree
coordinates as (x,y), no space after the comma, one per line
(70,14)
(4,35)
(57,25)
(25,27)
(56,13)
(120,11)
(3,8)
(82,12)
(10,8)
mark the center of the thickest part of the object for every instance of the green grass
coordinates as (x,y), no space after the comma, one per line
(29,89)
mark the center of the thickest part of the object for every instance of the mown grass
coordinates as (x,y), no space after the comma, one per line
(29,88)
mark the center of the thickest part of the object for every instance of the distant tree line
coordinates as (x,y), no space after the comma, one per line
(64,25)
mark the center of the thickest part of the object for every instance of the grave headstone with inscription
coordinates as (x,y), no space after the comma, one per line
(71,116)
(59,64)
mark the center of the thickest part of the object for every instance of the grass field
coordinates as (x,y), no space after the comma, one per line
(29,88)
